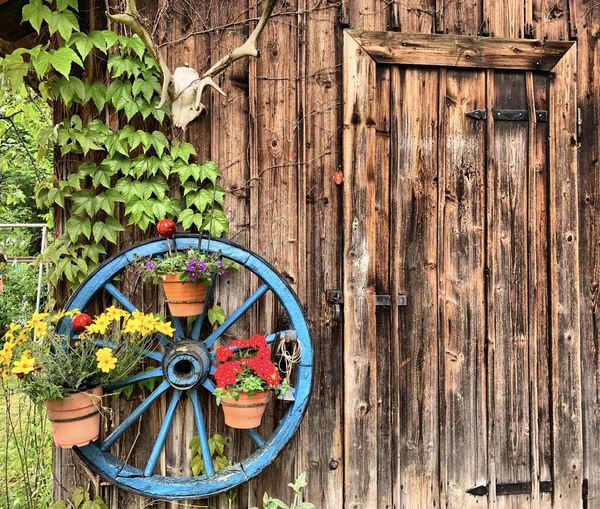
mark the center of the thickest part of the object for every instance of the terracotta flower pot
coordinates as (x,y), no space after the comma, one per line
(75,421)
(184,299)
(247,411)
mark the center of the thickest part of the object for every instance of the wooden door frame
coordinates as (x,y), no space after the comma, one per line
(363,50)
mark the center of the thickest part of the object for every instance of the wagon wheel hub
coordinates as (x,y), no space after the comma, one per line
(186,364)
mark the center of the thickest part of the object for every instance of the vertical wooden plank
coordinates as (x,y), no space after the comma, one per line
(564,285)
(549,19)
(386,340)
(360,373)
(460,18)
(588,63)
(320,202)
(508,291)
(504,19)
(369,14)
(414,270)
(463,290)
(417,17)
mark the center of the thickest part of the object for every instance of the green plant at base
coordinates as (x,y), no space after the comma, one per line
(216,444)
(81,499)
(297,486)
(17,301)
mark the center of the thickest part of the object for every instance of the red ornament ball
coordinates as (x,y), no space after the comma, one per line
(80,322)
(166,228)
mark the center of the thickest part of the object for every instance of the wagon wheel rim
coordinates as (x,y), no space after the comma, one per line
(142,480)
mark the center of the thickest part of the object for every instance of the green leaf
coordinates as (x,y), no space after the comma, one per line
(107,230)
(188,217)
(92,251)
(210,171)
(77,226)
(182,151)
(185,171)
(218,442)
(35,12)
(148,86)
(14,69)
(220,462)
(216,315)
(59,504)
(109,37)
(62,59)
(61,5)
(97,93)
(156,186)
(137,45)
(80,495)
(83,43)
(40,61)
(83,202)
(159,142)
(64,22)
(128,390)
(217,225)
(106,201)
(56,196)
(98,40)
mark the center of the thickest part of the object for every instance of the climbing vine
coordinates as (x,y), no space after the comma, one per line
(125,173)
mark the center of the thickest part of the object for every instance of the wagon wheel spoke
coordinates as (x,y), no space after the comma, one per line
(157,356)
(133,417)
(197,328)
(162,434)
(208,384)
(128,306)
(176,322)
(144,375)
(255,437)
(236,315)
(202,436)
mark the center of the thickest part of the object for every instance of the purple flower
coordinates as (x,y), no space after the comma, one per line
(202,266)
(150,265)
(220,263)
(222,273)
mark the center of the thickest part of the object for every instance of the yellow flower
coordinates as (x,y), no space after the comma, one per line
(73,312)
(40,329)
(10,333)
(6,353)
(24,366)
(132,326)
(115,313)
(5,374)
(164,328)
(57,317)
(102,323)
(21,337)
(106,361)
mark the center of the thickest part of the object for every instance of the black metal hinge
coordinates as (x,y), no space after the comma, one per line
(508,115)
(336,299)
(515,488)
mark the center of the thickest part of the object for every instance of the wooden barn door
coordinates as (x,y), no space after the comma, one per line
(461,332)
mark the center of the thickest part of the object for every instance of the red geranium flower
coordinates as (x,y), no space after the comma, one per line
(223,354)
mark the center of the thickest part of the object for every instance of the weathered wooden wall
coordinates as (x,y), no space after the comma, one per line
(277,138)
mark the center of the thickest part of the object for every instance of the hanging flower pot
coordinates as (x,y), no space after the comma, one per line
(184,298)
(246,412)
(75,421)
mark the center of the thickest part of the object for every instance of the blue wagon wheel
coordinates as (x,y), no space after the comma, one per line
(187,370)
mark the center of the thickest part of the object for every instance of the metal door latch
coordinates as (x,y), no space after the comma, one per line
(336,298)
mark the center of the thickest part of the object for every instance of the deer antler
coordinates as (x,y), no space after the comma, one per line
(248,49)
(131,18)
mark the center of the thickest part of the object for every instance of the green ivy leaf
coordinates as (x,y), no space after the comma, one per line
(59,504)
(137,45)
(156,186)
(64,22)
(35,12)
(98,40)
(188,217)
(220,462)
(83,43)
(97,93)
(140,212)
(62,59)
(57,196)
(185,171)
(216,315)
(83,201)
(109,37)
(147,85)
(107,230)
(14,69)
(77,226)
(216,223)
(182,151)
(80,495)
(106,201)
(210,171)
(40,59)
(61,5)
(159,142)
(92,251)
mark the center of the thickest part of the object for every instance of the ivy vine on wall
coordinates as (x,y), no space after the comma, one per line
(125,173)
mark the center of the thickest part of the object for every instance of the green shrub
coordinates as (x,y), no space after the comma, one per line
(17,301)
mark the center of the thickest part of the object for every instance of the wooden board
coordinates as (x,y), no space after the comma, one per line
(360,373)
(454,51)
(414,190)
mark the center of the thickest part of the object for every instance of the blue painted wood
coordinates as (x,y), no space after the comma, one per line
(202,435)
(157,356)
(119,297)
(144,375)
(176,323)
(255,437)
(134,416)
(162,434)
(200,319)
(96,455)
(236,315)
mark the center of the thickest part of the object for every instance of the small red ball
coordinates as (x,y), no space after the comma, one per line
(80,322)
(166,228)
